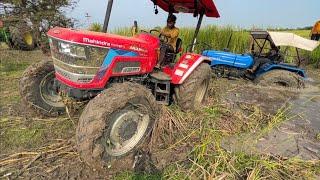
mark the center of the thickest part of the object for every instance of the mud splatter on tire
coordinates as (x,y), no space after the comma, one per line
(191,93)
(102,114)
(31,92)
(280,78)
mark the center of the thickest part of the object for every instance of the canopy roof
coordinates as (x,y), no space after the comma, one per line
(188,6)
(286,39)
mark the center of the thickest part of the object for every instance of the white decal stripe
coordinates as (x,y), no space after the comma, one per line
(222,60)
(178,72)
(240,64)
(217,59)
(194,66)
(184,66)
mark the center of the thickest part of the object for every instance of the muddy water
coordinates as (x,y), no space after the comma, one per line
(305,124)
(296,137)
(306,110)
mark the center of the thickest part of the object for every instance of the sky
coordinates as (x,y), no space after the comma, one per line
(236,13)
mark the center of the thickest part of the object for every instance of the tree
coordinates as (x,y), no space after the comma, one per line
(51,12)
(40,14)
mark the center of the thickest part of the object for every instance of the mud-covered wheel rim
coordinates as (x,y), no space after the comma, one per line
(201,92)
(48,94)
(28,39)
(128,129)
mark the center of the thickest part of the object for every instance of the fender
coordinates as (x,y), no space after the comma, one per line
(185,66)
(270,67)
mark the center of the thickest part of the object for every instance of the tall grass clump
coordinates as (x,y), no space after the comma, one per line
(217,38)
(124,31)
(97,27)
(315,57)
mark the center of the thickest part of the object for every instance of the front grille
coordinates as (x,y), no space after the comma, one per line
(75,69)
(80,78)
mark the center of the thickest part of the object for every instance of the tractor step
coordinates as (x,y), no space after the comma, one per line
(161,87)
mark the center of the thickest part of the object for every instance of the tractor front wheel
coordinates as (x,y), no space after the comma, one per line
(190,94)
(37,91)
(281,78)
(115,126)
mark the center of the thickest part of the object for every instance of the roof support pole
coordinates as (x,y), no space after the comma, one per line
(107,17)
(194,39)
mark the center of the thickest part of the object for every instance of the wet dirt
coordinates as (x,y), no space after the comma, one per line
(297,136)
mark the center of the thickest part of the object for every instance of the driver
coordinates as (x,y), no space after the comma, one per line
(272,56)
(170,31)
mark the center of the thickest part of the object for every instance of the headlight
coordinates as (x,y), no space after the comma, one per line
(72,50)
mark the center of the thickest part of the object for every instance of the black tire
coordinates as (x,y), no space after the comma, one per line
(37,92)
(281,78)
(191,93)
(22,38)
(101,126)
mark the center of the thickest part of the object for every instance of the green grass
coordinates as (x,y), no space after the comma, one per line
(217,38)
(20,133)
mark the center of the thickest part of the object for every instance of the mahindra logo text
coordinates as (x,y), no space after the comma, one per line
(97,42)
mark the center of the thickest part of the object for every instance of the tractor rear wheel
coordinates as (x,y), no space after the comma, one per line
(22,38)
(37,91)
(115,126)
(190,94)
(280,77)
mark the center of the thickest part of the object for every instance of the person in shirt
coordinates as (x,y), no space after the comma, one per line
(170,31)
(272,57)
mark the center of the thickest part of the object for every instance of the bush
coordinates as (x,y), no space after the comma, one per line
(97,27)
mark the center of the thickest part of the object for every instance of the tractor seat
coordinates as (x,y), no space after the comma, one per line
(168,54)
(178,46)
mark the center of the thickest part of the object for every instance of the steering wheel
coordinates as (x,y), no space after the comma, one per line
(156,32)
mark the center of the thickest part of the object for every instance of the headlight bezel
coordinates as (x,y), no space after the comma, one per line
(73,50)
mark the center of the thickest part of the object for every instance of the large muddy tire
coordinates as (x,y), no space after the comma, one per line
(22,38)
(37,92)
(191,93)
(115,126)
(281,78)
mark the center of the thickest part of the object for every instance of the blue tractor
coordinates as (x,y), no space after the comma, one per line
(266,63)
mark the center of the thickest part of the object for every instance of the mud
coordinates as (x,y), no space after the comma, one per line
(298,136)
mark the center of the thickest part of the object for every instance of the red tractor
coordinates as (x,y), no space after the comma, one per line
(123,78)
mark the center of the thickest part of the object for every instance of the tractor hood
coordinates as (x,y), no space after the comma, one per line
(141,44)
(188,6)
